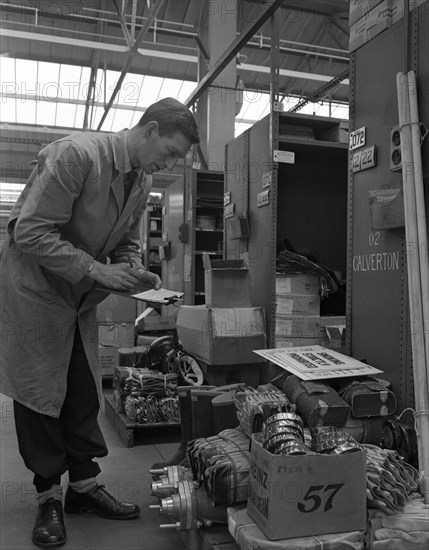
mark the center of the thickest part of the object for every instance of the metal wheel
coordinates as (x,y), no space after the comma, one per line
(189,369)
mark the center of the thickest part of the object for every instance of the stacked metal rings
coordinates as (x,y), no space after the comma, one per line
(331,440)
(283,433)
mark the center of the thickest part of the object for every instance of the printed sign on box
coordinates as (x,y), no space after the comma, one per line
(317,362)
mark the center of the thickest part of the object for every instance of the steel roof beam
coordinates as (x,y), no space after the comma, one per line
(131,54)
(231,52)
(320,92)
(123,24)
(91,44)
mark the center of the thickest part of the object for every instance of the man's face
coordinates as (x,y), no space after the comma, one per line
(152,152)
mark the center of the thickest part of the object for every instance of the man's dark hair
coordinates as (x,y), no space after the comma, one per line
(172,117)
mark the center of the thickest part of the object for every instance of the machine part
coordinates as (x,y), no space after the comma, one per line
(399,437)
(189,369)
(293,418)
(158,350)
(169,478)
(192,507)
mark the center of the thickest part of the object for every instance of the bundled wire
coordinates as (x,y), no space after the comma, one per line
(390,480)
(150,396)
(150,410)
(256,405)
(222,463)
(291,263)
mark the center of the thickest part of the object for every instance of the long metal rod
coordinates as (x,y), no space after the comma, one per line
(231,52)
(132,53)
(122,23)
(321,91)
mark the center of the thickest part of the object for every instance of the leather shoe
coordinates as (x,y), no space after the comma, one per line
(49,529)
(101,502)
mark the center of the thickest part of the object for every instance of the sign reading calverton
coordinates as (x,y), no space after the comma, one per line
(316,362)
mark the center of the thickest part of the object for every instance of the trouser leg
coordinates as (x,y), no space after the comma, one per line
(82,435)
(49,446)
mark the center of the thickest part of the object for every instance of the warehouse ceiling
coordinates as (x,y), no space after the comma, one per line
(313,39)
(95,38)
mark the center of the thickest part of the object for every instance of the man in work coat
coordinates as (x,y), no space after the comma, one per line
(74,227)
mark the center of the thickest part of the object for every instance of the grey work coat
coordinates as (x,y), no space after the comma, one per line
(70,212)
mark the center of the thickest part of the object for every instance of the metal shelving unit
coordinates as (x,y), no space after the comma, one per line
(286,188)
(204,220)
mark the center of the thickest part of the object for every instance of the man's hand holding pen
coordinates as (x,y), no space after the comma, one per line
(124,276)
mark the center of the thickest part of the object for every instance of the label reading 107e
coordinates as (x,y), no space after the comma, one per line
(364,159)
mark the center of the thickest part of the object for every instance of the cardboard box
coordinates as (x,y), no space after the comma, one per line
(369,26)
(222,336)
(109,359)
(297,284)
(295,326)
(117,309)
(294,342)
(119,335)
(227,283)
(150,319)
(299,496)
(249,537)
(359,8)
(298,304)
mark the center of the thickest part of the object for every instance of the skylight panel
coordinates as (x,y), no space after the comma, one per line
(79,116)
(170,88)
(69,82)
(26,78)
(185,91)
(254,104)
(47,78)
(130,91)
(241,127)
(150,90)
(45,113)
(8,109)
(85,75)
(66,113)
(26,111)
(7,73)
(109,120)
(123,119)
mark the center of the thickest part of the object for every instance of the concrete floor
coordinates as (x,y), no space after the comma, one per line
(125,475)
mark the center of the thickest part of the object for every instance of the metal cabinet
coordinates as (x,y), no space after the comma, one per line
(377,271)
(202,230)
(290,186)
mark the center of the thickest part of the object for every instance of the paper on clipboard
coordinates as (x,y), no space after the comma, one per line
(161,296)
(317,362)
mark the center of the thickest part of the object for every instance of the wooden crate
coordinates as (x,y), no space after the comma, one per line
(129,431)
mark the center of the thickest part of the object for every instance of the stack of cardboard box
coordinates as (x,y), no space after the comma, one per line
(297,320)
(223,333)
(116,317)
